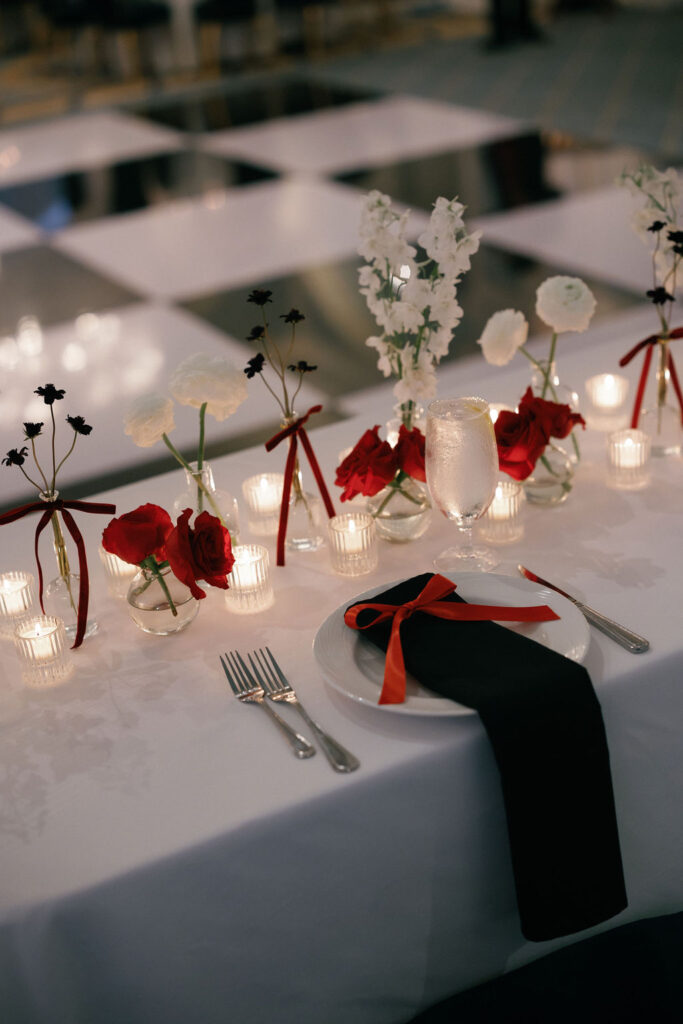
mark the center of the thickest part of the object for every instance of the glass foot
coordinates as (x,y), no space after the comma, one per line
(466,559)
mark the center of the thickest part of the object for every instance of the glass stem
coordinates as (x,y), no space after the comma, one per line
(467,545)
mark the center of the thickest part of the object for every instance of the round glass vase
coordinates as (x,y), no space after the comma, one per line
(402,512)
(662,421)
(60,596)
(551,480)
(208,498)
(149,606)
(546,384)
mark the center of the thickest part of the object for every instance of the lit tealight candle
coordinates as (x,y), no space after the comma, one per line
(263,495)
(117,572)
(250,587)
(607,391)
(353,543)
(502,521)
(41,645)
(16,599)
(628,452)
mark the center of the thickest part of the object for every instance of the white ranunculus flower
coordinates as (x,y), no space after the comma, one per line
(505,332)
(565,303)
(148,418)
(212,379)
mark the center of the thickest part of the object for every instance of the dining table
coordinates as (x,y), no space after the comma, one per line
(164,857)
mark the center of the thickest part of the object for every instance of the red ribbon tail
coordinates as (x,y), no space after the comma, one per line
(286,493)
(44,520)
(84,584)
(313,462)
(394,683)
(676,384)
(638,404)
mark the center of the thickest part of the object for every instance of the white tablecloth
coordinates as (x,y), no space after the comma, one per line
(163,856)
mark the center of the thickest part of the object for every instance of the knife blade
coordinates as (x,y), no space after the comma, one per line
(626,637)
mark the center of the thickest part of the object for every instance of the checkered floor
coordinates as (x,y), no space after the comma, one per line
(128,241)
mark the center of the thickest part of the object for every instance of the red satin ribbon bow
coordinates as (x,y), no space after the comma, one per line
(47,508)
(293,432)
(649,344)
(429,600)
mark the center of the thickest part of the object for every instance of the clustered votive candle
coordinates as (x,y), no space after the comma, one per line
(118,573)
(628,454)
(353,543)
(41,645)
(250,588)
(16,599)
(263,495)
(502,521)
(607,394)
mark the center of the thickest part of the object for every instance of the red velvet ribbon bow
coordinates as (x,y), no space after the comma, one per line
(295,431)
(430,601)
(649,344)
(47,508)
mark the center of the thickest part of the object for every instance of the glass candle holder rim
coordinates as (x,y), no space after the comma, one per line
(634,434)
(344,519)
(26,577)
(437,408)
(621,387)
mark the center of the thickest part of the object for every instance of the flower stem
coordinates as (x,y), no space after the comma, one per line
(200,455)
(38,466)
(54,461)
(62,557)
(200,483)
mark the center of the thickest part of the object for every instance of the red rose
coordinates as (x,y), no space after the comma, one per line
(521,438)
(202,552)
(558,418)
(138,534)
(368,468)
(410,452)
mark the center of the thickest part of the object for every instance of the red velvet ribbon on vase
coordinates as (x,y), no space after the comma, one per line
(48,508)
(295,432)
(430,602)
(648,344)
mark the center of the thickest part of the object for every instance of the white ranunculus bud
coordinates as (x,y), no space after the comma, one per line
(148,418)
(565,303)
(505,332)
(212,379)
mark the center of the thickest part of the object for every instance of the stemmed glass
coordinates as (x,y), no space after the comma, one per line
(462,471)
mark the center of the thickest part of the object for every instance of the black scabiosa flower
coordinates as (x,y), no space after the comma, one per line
(50,394)
(79,424)
(254,366)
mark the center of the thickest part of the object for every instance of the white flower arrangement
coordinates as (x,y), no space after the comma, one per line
(565,304)
(148,418)
(413,302)
(505,332)
(657,224)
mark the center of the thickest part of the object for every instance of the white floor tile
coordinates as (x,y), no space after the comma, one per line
(78,142)
(227,239)
(103,361)
(361,135)
(588,233)
(15,232)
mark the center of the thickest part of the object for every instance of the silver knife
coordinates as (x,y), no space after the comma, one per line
(626,637)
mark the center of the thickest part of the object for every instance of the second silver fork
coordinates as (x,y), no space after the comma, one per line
(271,677)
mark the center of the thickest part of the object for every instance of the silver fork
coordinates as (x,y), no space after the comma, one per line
(276,686)
(247,689)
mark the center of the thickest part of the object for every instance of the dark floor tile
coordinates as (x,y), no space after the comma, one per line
(67,199)
(46,284)
(278,97)
(496,176)
(338,322)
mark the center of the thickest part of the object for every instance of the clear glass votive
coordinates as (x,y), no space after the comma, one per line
(607,394)
(250,586)
(502,522)
(44,656)
(118,573)
(263,495)
(353,543)
(16,599)
(628,455)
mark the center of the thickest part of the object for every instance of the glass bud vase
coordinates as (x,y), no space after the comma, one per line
(545,383)
(305,523)
(662,421)
(551,480)
(60,596)
(401,513)
(149,606)
(210,499)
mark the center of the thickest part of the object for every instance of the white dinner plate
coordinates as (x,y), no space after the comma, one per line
(355,667)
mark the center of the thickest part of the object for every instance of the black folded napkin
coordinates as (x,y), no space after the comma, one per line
(545,725)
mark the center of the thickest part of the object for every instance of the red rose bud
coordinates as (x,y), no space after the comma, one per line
(559,419)
(138,534)
(368,468)
(521,440)
(202,552)
(410,452)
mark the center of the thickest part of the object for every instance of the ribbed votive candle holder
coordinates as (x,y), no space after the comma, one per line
(628,456)
(607,394)
(16,599)
(250,586)
(118,573)
(41,646)
(353,543)
(502,521)
(263,496)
